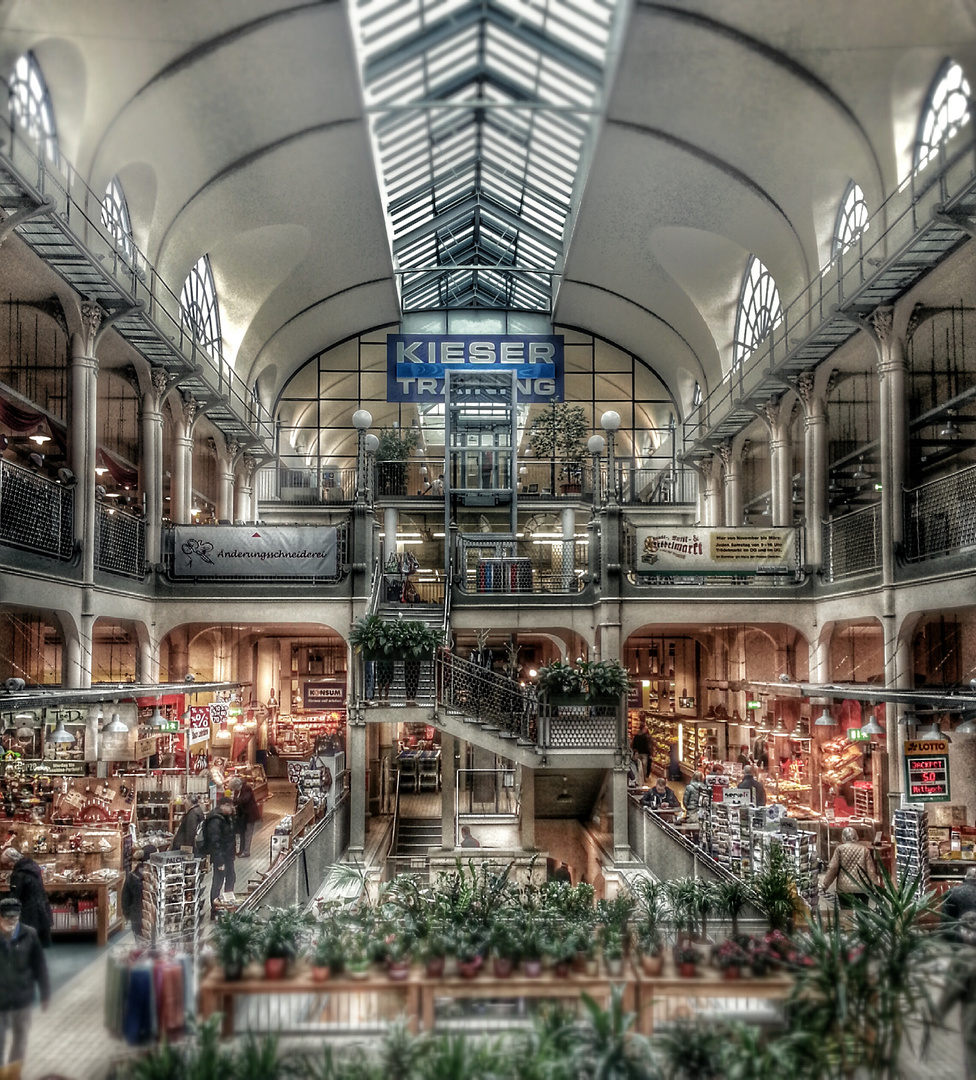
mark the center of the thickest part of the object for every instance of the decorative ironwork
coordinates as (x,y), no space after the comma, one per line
(579,727)
(120,542)
(486,697)
(940,516)
(759,310)
(852,544)
(546,563)
(35,513)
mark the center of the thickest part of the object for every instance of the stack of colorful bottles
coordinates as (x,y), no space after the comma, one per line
(148,995)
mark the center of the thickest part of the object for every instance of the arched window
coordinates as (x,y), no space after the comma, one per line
(199,303)
(946,110)
(852,218)
(115,217)
(31,104)
(759,310)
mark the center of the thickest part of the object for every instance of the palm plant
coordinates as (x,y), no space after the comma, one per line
(731,897)
(650,910)
(606,1049)
(775,890)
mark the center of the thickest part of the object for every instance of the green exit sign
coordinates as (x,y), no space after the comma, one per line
(169,727)
(855,734)
(753,704)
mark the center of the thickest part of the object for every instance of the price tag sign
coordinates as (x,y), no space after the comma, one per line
(737,797)
(927,770)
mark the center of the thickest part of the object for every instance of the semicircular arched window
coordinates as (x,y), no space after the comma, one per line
(946,110)
(759,310)
(30,103)
(115,217)
(198,301)
(852,218)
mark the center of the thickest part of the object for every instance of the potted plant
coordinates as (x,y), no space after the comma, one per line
(775,891)
(606,681)
(237,939)
(730,898)
(470,950)
(731,959)
(416,642)
(561,946)
(399,949)
(561,684)
(357,951)
(531,946)
(392,454)
(504,940)
(433,951)
(612,942)
(650,906)
(370,637)
(281,940)
(560,432)
(327,953)
(686,960)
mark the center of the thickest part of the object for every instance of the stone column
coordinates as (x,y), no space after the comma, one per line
(225,451)
(152,461)
(244,491)
(893,441)
(147,659)
(389,533)
(621,826)
(569,546)
(181,488)
(448,790)
(778,419)
(82,448)
(731,456)
(356,763)
(527,810)
(815,466)
(71,670)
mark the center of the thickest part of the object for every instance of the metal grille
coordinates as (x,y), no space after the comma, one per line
(539,565)
(852,544)
(485,696)
(306,486)
(940,516)
(35,513)
(120,542)
(579,727)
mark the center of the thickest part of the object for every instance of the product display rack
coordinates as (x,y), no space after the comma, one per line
(172,901)
(910,826)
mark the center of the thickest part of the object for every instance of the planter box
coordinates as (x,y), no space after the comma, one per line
(566,700)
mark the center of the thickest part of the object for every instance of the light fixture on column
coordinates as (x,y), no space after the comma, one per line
(967,727)
(372,443)
(115,726)
(824,719)
(951,429)
(157,720)
(595,445)
(60,736)
(361,419)
(610,422)
(872,727)
(860,473)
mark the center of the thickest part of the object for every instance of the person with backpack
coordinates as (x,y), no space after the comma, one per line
(27,884)
(132,892)
(188,831)
(220,842)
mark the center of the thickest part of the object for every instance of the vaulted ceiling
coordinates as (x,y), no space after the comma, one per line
(617,161)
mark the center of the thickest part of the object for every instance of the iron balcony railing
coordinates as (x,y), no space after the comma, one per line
(120,542)
(852,544)
(543,563)
(940,516)
(36,513)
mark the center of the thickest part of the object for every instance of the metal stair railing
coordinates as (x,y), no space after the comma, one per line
(492,700)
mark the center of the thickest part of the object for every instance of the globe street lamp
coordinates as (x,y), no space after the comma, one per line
(610,422)
(361,419)
(595,446)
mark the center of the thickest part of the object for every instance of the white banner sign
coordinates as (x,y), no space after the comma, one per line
(710,551)
(255,551)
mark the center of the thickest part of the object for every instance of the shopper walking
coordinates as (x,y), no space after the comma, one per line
(642,746)
(219,842)
(248,814)
(22,968)
(692,797)
(751,782)
(186,831)
(27,884)
(132,891)
(853,868)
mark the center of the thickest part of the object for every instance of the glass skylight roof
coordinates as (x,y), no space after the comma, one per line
(481,113)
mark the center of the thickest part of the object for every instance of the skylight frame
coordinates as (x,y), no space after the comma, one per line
(200,309)
(758,311)
(852,218)
(30,103)
(115,217)
(945,111)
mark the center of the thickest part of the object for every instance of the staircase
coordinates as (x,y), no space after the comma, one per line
(415,837)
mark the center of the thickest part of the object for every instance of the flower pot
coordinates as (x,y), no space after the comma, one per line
(652,965)
(502,967)
(320,974)
(733,971)
(688,971)
(579,963)
(358,970)
(398,970)
(533,968)
(233,972)
(275,967)
(467,969)
(434,968)
(615,965)
(592,967)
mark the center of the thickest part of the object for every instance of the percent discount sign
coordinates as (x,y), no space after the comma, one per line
(927,770)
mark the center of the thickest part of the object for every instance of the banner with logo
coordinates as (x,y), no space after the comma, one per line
(715,551)
(324,694)
(254,551)
(416,363)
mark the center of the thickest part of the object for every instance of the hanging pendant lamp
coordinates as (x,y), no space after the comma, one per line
(157,720)
(872,727)
(967,727)
(115,725)
(824,719)
(60,736)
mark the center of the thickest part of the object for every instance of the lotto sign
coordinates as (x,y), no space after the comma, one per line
(927,770)
(416,363)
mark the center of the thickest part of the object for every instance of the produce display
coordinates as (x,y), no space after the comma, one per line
(843,761)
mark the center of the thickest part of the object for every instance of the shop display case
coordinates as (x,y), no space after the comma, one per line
(910,826)
(701,741)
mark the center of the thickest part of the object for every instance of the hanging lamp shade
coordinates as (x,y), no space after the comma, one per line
(779,728)
(934,734)
(824,719)
(967,727)
(60,736)
(908,718)
(115,725)
(860,473)
(157,719)
(736,718)
(872,727)
(710,712)
(951,429)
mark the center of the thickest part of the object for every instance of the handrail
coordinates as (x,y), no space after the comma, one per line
(395,834)
(693,849)
(376,587)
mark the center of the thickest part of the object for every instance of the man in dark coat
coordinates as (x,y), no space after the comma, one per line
(248,814)
(751,782)
(132,891)
(956,902)
(186,831)
(219,842)
(27,884)
(661,797)
(22,967)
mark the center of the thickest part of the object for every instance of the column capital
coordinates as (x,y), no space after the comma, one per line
(158,384)
(91,321)
(188,408)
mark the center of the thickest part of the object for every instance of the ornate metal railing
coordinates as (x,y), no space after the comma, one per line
(120,542)
(35,513)
(487,697)
(544,563)
(852,544)
(940,516)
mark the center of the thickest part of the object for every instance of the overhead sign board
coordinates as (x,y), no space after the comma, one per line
(927,770)
(324,695)
(416,363)
(716,551)
(220,551)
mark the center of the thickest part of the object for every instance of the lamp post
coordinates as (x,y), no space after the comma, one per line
(610,422)
(595,446)
(361,419)
(372,445)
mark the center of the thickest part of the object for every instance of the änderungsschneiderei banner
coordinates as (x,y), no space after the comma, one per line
(710,551)
(255,551)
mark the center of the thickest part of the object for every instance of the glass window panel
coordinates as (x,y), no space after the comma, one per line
(578,387)
(610,358)
(374,386)
(945,112)
(374,356)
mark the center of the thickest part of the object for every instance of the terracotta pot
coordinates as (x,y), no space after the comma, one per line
(467,969)
(233,972)
(561,969)
(579,963)
(320,974)
(434,968)
(275,967)
(687,971)
(652,965)
(533,968)
(398,970)
(733,971)
(502,967)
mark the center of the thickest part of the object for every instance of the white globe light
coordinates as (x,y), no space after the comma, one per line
(361,419)
(597,444)
(372,443)
(610,420)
